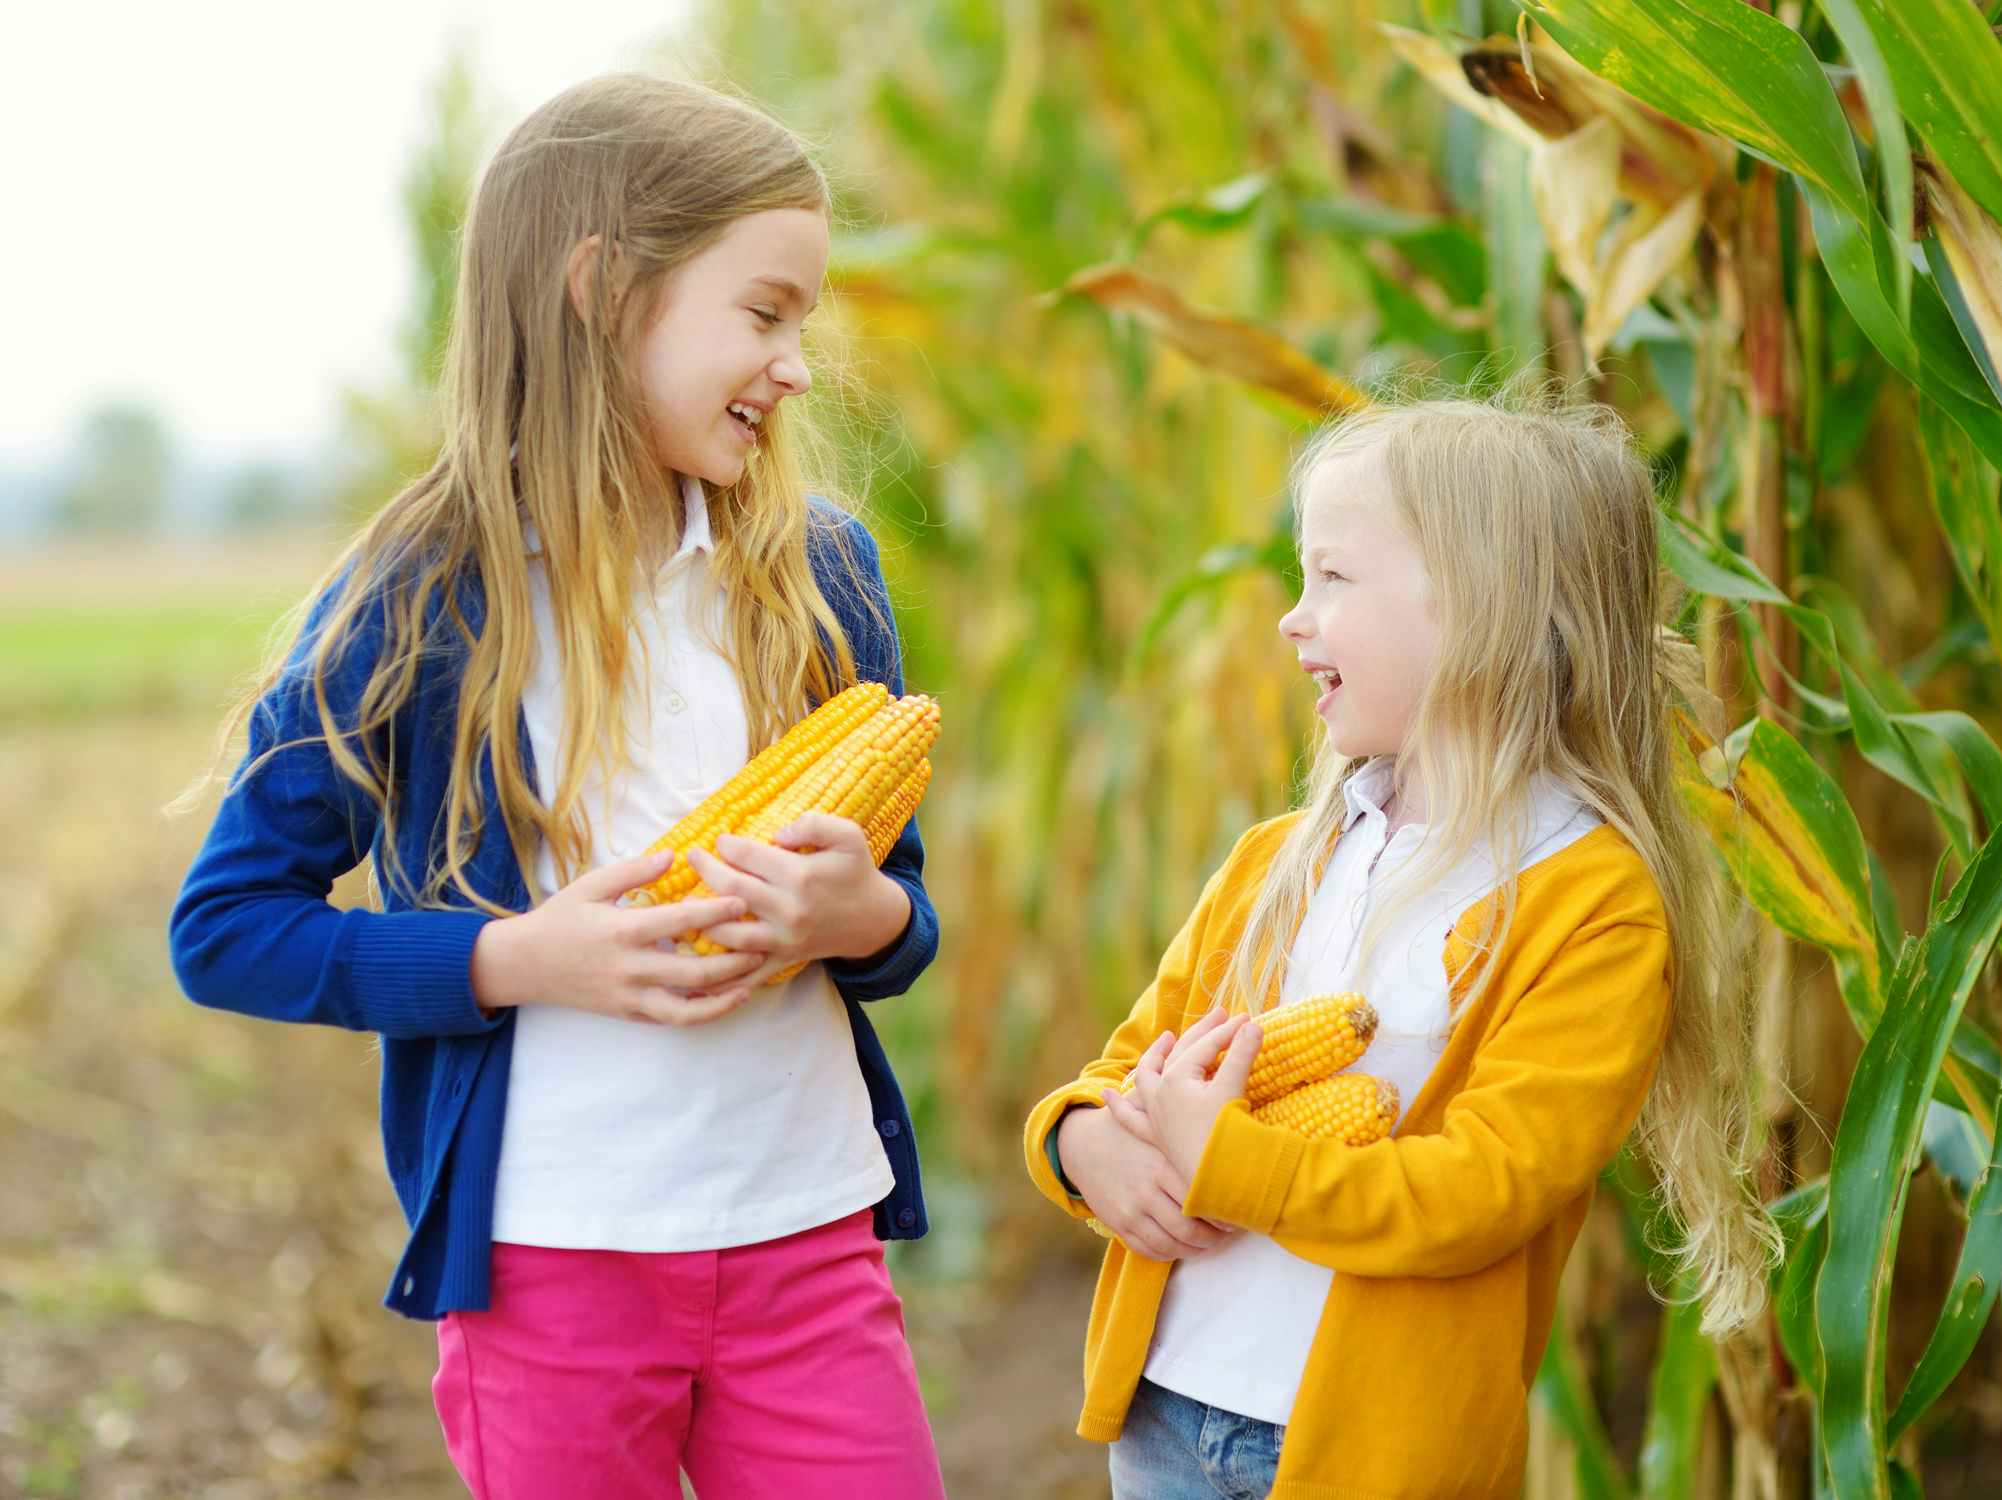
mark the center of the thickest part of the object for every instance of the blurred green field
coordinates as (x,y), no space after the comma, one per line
(134,628)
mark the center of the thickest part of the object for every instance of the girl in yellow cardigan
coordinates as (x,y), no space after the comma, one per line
(1493,851)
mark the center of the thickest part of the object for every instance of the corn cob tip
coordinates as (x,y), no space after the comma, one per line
(1362,1016)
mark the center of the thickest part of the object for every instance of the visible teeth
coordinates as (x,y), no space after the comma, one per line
(749,413)
(1327,680)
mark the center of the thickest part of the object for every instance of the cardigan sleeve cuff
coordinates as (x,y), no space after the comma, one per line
(1056,1162)
(1245,1171)
(1045,1170)
(410,973)
(891,969)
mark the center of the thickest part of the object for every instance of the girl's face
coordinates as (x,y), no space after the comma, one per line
(1364,628)
(724,347)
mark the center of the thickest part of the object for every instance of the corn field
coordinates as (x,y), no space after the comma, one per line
(1099,269)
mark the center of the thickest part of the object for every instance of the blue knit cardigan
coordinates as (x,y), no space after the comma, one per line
(252,930)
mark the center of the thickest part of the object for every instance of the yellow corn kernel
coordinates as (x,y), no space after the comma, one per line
(1307,1041)
(888,825)
(1302,1043)
(872,773)
(882,834)
(766,776)
(1354,1109)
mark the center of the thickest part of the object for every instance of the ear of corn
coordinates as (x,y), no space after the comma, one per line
(861,755)
(1311,1039)
(1296,1082)
(1354,1109)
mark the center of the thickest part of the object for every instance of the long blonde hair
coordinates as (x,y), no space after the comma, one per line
(542,421)
(1535,519)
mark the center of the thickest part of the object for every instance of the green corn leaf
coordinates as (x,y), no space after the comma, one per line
(1802,1216)
(1930,351)
(1449,253)
(1685,1373)
(1218,210)
(1561,1389)
(1963,495)
(1894,153)
(1721,66)
(1904,1483)
(1979,759)
(1970,1298)
(1951,292)
(1876,1141)
(1794,846)
(1956,1147)
(1516,252)
(1947,68)
(1707,564)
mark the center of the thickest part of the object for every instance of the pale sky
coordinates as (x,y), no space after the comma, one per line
(201,199)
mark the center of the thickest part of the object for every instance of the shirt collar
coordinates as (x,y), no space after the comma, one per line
(1369,786)
(1367,789)
(695,533)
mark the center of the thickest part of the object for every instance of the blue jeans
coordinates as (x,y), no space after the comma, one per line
(1176,1448)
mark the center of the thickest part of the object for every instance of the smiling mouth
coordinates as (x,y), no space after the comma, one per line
(746,419)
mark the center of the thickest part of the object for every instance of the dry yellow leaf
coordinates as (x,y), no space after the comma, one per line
(1217,342)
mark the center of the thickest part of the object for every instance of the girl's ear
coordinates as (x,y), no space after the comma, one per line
(581,273)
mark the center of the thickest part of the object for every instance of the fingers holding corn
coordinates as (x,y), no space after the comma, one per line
(799,832)
(1293,1079)
(827,902)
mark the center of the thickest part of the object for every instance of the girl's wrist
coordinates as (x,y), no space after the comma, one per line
(493,964)
(1071,1120)
(886,913)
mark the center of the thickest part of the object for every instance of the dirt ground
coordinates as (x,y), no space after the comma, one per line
(197,1227)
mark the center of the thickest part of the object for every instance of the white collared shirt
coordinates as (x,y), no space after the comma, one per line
(1236,1322)
(626,1135)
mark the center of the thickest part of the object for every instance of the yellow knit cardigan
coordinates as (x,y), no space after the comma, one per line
(1450,1236)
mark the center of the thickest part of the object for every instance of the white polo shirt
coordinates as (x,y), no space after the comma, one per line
(1236,1321)
(629,1135)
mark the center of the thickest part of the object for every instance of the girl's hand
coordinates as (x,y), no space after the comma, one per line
(1129,1185)
(830,903)
(580,948)
(1180,1099)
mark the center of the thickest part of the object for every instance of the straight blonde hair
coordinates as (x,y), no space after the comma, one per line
(1535,519)
(543,422)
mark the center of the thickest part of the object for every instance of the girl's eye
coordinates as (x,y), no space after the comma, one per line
(1330,574)
(767,316)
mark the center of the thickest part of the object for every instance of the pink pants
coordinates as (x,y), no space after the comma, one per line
(776,1369)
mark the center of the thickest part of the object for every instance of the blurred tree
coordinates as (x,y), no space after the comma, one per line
(123,466)
(391,431)
(262,493)
(435,193)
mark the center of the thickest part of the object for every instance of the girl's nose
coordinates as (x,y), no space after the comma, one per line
(790,371)
(1294,624)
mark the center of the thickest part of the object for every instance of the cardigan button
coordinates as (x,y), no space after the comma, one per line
(409,1285)
(906,1218)
(890,1129)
